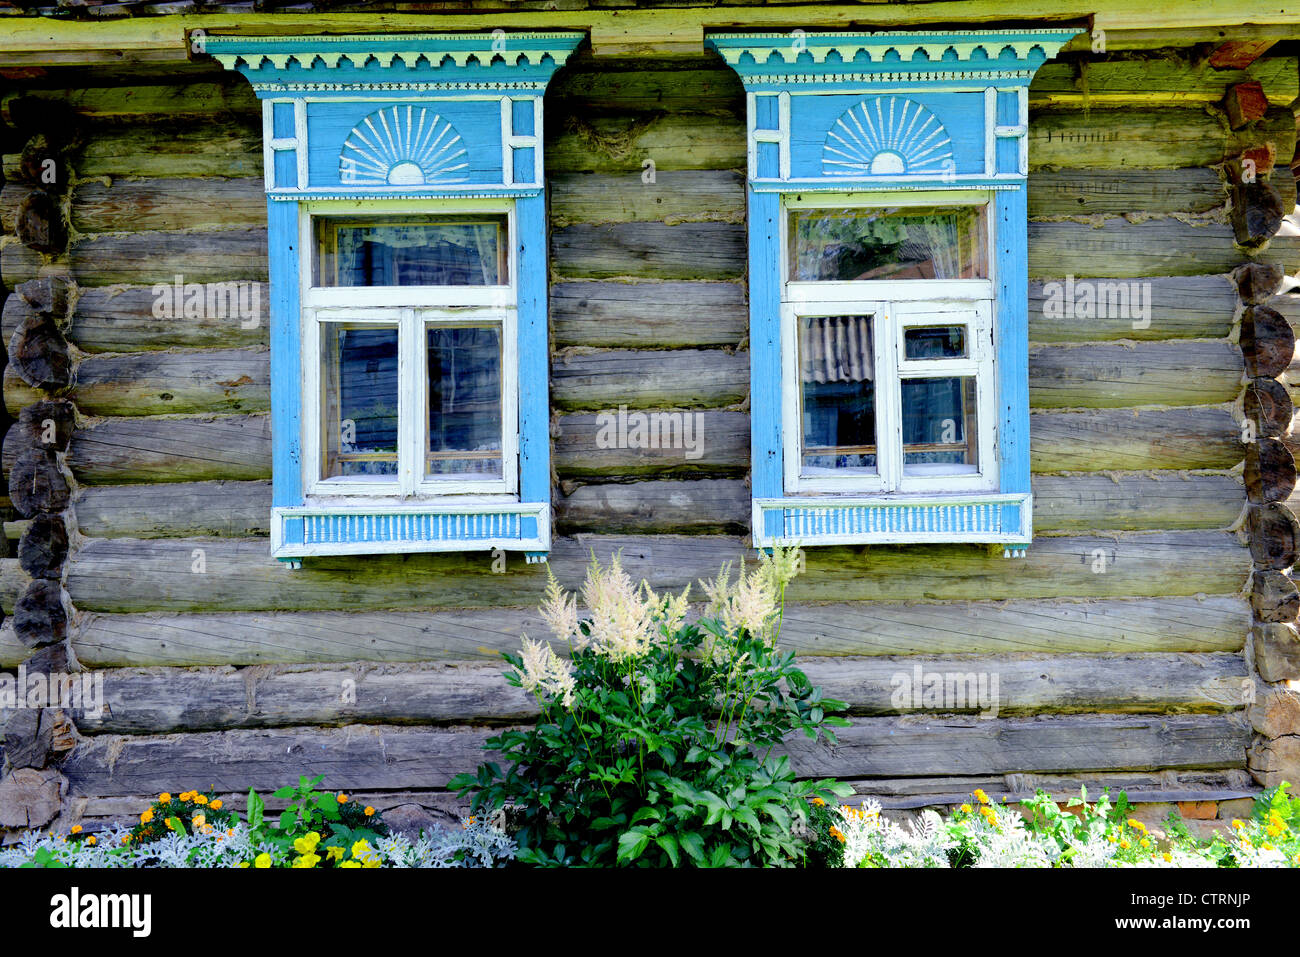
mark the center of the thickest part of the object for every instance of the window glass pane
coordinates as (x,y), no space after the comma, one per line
(359,398)
(939,433)
(411,251)
(464,402)
(837,394)
(888,243)
(935,342)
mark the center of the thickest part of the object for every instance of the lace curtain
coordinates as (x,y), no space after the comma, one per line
(836,349)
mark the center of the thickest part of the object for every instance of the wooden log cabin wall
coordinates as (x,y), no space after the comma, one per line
(1144,643)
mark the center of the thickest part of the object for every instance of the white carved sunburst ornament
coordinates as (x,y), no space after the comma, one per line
(887,136)
(403,146)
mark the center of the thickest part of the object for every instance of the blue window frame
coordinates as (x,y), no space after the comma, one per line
(888,283)
(407,248)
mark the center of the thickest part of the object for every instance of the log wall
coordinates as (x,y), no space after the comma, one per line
(1121,642)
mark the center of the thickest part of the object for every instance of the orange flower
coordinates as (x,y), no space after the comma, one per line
(76,829)
(92,841)
(835,832)
(216,805)
(200,799)
(343,799)
(819,802)
(147,816)
(370,812)
(126,838)
(164,797)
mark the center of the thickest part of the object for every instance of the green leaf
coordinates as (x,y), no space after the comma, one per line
(288,819)
(669,844)
(256,807)
(284,792)
(692,844)
(647,813)
(631,844)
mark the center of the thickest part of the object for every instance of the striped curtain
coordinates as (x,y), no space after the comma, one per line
(836,349)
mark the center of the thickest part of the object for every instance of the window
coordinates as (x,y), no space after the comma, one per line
(887,344)
(413,318)
(407,247)
(888,284)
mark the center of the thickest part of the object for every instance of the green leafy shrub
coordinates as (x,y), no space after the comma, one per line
(188,812)
(320,828)
(657,739)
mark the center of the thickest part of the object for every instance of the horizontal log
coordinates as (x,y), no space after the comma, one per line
(1124,625)
(229,147)
(632,314)
(114,451)
(175,509)
(592,445)
(161,701)
(137,101)
(715,505)
(159,383)
(1089,502)
(359,756)
(682,84)
(134,575)
(1155,247)
(1150,373)
(137,205)
(121,318)
(685,378)
(1093,192)
(927,746)
(674,141)
(1154,81)
(1167,307)
(649,250)
(1134,439)
(670,197)
(1146,139)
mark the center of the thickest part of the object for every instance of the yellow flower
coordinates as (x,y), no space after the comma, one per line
(200,799)
(307,844)
(819,802)
(837,834)
(334,853)
(343,799)
(373,862)
(361,848)
(1168,858)
(76,829)
(198,820)
(243,863)
(262,861)
(147,816)
(1113,839)
(1238,825)
(370,812)
(92,841)
(1145,842)
(187,795)
(965,809)
(171,826)
(350,864)
(1124,844)
(1137,825)
(981,796)
(164,798)
(307,861)
(126,838)
(215,805)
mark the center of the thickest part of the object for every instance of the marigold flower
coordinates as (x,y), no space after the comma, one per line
(343,799)
(1137,825)
(126,838)
(76,829)
(216,805)
(1238,825)
(186,795)
(1168,857)
(1145,842)
(92,840)
(200,799)
(965,809)
(262,861)
(837,834)
(146,816)
(819,802)
(370,812)
(199,820)
(1125,845)
(981,796)
(164,798)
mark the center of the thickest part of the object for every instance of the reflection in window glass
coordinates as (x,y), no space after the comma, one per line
(934,342)
(411,251)
(464,402)
(894,243)
(838,394)
(939,433)
(359,398)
